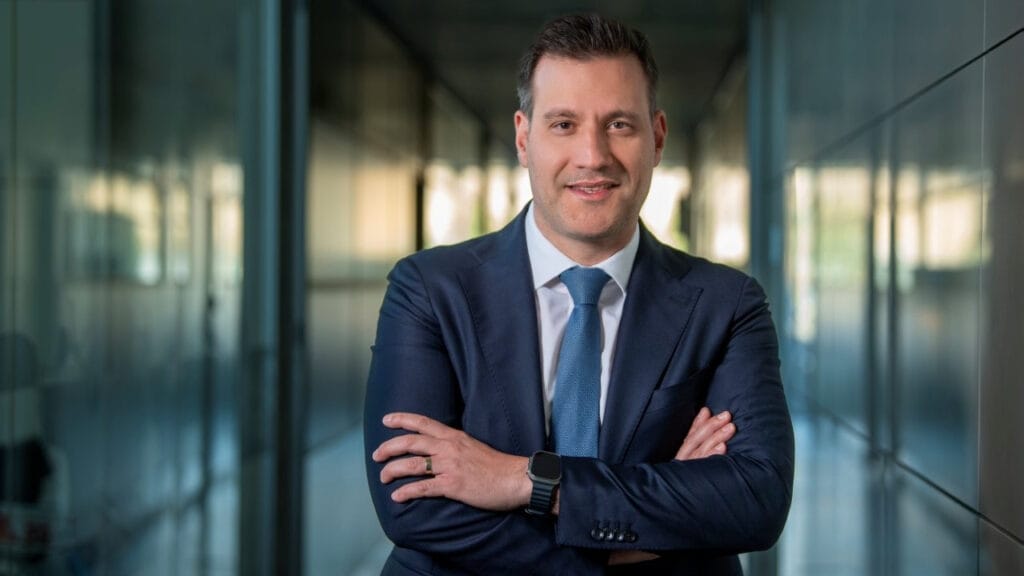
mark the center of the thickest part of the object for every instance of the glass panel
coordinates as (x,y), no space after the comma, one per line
(799,328)
(1002,18)
(880,331)
(364,156)
(1000,555)
(454,181)
(931,534)
(931,38)
(1002,364)
(836,72)
(843,244)
(717,225)
(121,265)
(939,251)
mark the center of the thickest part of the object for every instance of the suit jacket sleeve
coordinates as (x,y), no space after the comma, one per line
(730,503)
(411,371)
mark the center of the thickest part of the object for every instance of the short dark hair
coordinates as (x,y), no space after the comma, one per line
(582,37)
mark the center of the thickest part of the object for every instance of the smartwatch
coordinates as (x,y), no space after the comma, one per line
(545,470)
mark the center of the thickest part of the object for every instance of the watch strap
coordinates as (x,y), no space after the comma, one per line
(542,497)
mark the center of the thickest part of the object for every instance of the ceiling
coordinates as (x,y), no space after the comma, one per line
(474,46)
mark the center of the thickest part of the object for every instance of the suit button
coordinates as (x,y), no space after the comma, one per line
(609,535)
(631,537)
(620,537)
(597,534)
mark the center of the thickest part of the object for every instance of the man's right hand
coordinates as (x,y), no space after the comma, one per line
(707,436)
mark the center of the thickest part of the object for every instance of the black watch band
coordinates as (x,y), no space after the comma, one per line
(545,470)
(542,498)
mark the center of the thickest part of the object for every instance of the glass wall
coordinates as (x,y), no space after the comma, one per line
(717,218)
(364,160)
(893,151)
(122,195)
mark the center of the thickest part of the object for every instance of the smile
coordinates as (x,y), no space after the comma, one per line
(592,187)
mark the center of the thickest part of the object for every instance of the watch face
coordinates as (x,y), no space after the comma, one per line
(546,465)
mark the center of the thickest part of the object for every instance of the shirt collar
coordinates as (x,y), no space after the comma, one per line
(547,262)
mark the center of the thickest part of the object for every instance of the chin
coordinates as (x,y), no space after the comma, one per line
(594,235)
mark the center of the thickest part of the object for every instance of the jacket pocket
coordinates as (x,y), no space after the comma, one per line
(692,390)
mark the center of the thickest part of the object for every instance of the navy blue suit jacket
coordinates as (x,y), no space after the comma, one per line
(457,340)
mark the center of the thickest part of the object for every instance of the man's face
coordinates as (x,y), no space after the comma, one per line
(590,148)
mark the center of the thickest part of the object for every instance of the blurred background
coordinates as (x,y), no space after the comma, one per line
(200,200)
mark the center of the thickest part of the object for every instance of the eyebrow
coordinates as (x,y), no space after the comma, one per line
(559,113)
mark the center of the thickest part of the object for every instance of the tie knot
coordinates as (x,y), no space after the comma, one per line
(584,284)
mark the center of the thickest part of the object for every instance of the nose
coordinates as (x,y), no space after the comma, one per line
(592,148)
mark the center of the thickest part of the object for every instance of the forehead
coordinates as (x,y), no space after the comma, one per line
(614,81)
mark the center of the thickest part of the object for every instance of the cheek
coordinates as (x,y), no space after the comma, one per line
(544,168)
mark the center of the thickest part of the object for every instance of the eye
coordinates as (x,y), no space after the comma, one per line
(562,126)
(619,125)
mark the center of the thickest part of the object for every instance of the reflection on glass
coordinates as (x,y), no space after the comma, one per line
(883,234)
(115,228)
(179,231)
(908,225)
(453,201)
(127,425)
(500,205)
(938,229)
(661,213)
(226,207)
(383,212)
(454,180)
(135,211)
(952,227)
(800,260)
(727,214)
(939,248)
(844,196)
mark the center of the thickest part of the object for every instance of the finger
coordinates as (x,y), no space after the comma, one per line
(418,423)
(406,444)
(703,428)
(718,438)
(701,418)
(428,488)
(706,429)
(405,467)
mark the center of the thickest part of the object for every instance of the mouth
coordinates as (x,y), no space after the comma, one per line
(593,188)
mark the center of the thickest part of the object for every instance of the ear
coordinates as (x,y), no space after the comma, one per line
(660,131)
(522,135)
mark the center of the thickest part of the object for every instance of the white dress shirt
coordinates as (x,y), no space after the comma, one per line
(554,303)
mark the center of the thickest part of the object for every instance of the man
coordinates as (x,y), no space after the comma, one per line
(531,392)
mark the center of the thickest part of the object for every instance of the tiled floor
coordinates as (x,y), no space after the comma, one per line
(342,533)
(855,513)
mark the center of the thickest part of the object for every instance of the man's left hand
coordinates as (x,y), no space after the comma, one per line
(462,468)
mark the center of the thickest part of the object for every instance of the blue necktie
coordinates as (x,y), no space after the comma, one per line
(575,419)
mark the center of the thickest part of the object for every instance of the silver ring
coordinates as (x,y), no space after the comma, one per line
(430,464)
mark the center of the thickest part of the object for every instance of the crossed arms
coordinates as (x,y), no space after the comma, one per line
(468,514)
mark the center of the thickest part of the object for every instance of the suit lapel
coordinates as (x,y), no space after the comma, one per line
(501,300)
(655,316)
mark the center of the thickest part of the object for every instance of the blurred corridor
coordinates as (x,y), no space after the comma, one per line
(200,201)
